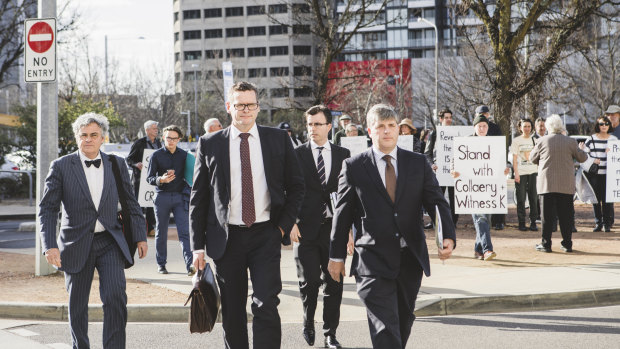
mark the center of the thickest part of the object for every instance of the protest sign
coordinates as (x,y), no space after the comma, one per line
(405,142)
(147,191)
(356,145)
(443,149)
(613,172)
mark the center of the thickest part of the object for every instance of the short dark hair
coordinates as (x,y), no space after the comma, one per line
(444,111)
(597,128)
(541,119)
(242,86)
(174,128)
(320,109)
(525,120)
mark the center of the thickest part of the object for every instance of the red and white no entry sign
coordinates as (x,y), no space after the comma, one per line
(40,37)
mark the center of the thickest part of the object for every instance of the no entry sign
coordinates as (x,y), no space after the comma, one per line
(40,50)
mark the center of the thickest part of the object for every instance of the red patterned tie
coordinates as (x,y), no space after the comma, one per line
(248,214)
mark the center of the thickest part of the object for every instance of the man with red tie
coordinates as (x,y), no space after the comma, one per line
(248,189)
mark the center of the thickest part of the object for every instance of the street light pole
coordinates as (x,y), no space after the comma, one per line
(420,19)
(188,113)
(195,100)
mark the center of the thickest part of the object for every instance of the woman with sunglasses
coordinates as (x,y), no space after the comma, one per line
(596,146)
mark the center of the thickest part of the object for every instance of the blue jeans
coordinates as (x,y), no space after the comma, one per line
(166,202)
(483,233)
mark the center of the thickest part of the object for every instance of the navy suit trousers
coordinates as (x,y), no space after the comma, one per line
(107,258)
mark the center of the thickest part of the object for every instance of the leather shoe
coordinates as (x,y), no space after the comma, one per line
(499,226)
(522,226)
(308,334)
(542,248)
(598,227)
(162,270)
(607,228)
(331,342)
(533,227)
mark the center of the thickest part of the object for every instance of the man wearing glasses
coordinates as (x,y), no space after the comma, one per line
(248,189)
(321,163)
(167,173)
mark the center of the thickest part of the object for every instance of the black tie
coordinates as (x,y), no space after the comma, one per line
(97,163)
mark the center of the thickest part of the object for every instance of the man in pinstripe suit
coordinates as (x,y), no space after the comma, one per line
(90,234)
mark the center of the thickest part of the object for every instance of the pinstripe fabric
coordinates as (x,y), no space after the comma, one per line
(81,251)
(554,155)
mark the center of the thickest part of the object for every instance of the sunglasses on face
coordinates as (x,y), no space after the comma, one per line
(603,124)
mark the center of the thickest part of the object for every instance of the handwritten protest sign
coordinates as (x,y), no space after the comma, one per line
(613,172)
(481,185)
(443,148)
(356,145)
(405,142)
(147,191)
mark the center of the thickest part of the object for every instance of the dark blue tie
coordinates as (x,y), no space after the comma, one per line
(97,163)
(320,165)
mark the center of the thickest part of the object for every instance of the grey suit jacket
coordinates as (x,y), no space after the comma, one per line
(66,183)
(555,155)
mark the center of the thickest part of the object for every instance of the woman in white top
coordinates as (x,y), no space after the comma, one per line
(525,174)
(596,146)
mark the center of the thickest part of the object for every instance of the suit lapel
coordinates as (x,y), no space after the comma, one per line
(373,172)
(402,174)
(225,156)
(265,148)
(336,162)
(81,176)
(108,185)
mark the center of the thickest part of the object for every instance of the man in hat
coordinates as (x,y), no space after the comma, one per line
(613,113)
(287,127)
(345,120)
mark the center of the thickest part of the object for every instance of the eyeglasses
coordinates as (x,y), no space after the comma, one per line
(172,139)
(250,106)
(317,124)
(603,124)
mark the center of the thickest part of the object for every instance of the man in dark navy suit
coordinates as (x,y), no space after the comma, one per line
(247,192)
(321,163)
(90,234)
(382,192)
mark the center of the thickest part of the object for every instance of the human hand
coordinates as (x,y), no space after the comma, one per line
(454,174)
(506,171)
(434,167)
(199,260)
(582,145)
(446,252)
(139,166)
(517,178)
(336,269)
(143,247)
(53,257)
(350,244)
(295,234)
(597,161)
(281,231)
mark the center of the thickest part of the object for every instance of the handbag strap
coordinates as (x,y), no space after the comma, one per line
(119,186)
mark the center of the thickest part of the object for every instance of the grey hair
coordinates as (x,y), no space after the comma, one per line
(554,124)
(353,126)
(150,123)
(87,119)
(380,112)
(210,123)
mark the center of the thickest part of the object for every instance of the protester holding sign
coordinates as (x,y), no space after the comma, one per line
(525,174)
(596,147)
(555,154)
(483,247)
(406,129)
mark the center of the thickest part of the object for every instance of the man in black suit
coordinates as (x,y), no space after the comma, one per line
(134,160)
(321,163)
(382,192)
(248,189)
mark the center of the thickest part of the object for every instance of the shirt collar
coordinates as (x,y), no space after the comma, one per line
(326,146)
(235,132)
(379,154)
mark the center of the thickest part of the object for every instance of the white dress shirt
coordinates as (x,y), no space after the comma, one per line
(94,178)
(262,200)
(327,157)
(381,165)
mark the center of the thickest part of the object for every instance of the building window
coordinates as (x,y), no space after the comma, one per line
(279,92)
(302,50)
(303,92)
(234,11)
(278,29)
(278,71)
(191,55)
(211,74)
(278,50)
(177,77)
(189,75)
(239,73)
(191,34)
(255,10)
(301,8)
(191,14)
(213,33)
(212,54)
(257,72)
(176,36)
(177,56)
(254,31)
(213,12)
(176,16)
(234,32)
(302,70)
(257,51)
(235,52)
(278,8)
(301,29)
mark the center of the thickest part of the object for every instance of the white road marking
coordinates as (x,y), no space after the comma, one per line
(23,332)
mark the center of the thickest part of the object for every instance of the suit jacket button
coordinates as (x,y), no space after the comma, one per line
(395,214)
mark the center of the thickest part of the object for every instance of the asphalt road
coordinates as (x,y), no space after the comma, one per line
(575,328)
(12,240)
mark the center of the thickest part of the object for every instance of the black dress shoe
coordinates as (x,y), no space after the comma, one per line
(499,226)
(542,248)
(162,270)
(533,227)
(428,226)
(598,227)
(331,342)
(607,229)
(309,335)
(522,226)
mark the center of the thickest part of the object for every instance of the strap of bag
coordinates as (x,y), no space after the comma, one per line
(119,186)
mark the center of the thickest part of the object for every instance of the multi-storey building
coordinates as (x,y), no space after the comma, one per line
(252,36)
